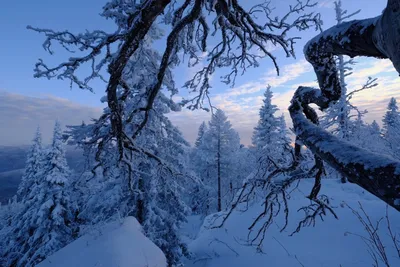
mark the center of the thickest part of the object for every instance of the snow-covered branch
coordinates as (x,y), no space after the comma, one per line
(377,174)
(190,34)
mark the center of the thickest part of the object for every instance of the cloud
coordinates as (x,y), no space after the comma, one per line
(374,100)
(326,4)
(373,68)
(242,103)
(287,73)
(20,115)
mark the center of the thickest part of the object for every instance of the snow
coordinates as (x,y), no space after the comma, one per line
(342,151)
(119,244)
(342,29)
(330,243)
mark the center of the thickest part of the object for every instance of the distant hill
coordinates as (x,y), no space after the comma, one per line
(12,164)
(9,182)
(12,158)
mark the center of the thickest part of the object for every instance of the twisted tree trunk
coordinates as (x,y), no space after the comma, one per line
(376,37)
(375,173)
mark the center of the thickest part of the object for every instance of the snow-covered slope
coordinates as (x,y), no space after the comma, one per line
(330,243)
(119,244)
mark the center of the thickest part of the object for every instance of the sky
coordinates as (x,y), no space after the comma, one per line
(27,102)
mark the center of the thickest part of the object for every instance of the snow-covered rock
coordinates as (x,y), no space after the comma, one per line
(118,243)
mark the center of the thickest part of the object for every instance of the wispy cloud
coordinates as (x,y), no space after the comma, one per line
(242,103)
(20,115)
(326,4)
(288,73)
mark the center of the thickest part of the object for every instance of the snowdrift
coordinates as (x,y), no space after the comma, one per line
(119,244)
(331,242)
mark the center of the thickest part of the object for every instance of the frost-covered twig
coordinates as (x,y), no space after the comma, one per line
(318,208)
(393,236)
(376,248)
(276,200)
(224,243)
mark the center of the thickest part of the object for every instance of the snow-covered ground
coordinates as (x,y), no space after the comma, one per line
(119,244)
(331,242)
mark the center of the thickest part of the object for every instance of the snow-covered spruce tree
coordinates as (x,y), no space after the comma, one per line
(164,189)
(220,145)
(284,139)
(33,167)
(359,131)
(7,212)
(391,128)
(375,129)
(200,134)
(267,123)
(45,221)
(31,177)
(270,136)
(368,136)
(200,197)
(148,183)
(243,163)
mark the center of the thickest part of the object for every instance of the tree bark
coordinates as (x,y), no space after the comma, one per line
(148,14)
(140,202)
(375,173)
(219,173)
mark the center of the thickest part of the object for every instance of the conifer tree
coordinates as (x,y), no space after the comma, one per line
(201,163)
(221,142)
(270,136)
(391,127)
(33,167)
(200,134)
(45,222)
(266,131)
(148,184)
(284,139)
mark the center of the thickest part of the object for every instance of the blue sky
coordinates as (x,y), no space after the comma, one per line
(20,49)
